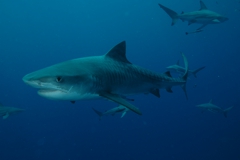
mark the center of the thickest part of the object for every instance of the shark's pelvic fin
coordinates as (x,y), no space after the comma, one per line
(169,89)
(171,13)
(202,5)
(120,101)
(155,92)
(100,114)
(118,52)
(225,112)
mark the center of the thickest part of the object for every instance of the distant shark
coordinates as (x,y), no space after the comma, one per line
(177,68)
(110,76)
(113,111)
(202,16)
(213,108)
(5,112)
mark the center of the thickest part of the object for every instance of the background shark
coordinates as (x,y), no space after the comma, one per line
(113,111)
(5,112)
(202,16)
(179,69)
(110,76)
(213,108)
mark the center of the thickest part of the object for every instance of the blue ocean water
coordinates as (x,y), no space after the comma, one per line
(37,34)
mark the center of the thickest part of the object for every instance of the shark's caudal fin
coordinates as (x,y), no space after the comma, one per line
(225,112)
(171,13)
(100,114)
(196,71)
(184,77)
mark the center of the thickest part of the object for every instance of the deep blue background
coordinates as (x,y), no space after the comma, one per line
(36,34)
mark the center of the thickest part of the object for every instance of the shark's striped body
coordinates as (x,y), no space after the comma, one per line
(110,76)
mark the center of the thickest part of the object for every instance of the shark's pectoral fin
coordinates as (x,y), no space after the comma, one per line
(120,101)
(6,116)
(204,25)
(216,21)
(155,92)
(123,114)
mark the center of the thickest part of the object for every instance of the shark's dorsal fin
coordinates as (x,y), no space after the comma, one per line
(203,6)
(118,52)
(210,101)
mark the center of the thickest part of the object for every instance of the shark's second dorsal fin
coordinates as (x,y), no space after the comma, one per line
(203,6)
(210,101)
(118,52)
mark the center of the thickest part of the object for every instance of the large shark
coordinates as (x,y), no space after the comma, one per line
(213,108)
(5,112)
(202,16)
(110,76)
(179,69)
(113,111)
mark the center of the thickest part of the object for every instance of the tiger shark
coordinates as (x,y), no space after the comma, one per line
(179,69)
(5,112)
(113,111)
(203,16)
(213,108)
(110,76)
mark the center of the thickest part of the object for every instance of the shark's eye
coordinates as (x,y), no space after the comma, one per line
(58,79)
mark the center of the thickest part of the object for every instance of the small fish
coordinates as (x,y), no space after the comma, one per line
(113,111)
(5,112)
(213,108)
(196,31)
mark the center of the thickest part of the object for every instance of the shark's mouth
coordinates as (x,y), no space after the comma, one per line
(45,91)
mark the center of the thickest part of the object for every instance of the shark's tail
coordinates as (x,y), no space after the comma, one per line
(185,75)
(225,112)
(171,13)
(196,71)
(100,114)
